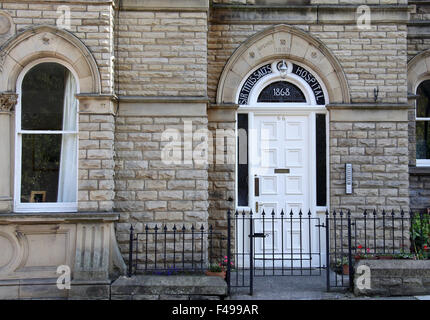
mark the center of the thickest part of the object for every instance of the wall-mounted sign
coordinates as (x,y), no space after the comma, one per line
(251,81)
(281,94)
(312,81)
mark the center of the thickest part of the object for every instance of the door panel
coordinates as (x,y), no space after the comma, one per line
(282,142)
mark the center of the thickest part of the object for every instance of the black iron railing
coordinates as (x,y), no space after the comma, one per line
(175,250)
(372,235)
(281,244)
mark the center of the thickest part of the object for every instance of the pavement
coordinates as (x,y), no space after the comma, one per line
(301,288)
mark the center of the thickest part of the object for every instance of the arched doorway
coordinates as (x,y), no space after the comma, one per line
(282,114)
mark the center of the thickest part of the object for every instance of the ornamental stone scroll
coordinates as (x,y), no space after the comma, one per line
(8,101)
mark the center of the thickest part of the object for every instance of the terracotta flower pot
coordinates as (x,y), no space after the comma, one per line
(215,274)
(345,269)
(385,257)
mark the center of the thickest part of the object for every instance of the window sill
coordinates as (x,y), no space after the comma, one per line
(59,217)
(419,171)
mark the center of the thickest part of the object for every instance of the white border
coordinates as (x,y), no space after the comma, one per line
(39,207)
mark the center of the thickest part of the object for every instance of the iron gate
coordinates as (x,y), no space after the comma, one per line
(274,244)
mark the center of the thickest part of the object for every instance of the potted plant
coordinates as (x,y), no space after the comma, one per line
(343,265)
(358,256)
(216,270)
(404,255)
(385,256)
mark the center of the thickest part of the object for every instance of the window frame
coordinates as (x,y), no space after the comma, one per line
(420,162)
(49,207)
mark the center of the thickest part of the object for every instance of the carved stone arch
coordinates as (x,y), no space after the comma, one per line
(418,70)
(44,42)
(283,42)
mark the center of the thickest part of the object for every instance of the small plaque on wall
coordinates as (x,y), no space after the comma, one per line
(348,178)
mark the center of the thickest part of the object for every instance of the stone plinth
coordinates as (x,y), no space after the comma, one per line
(143,287)
(396,277)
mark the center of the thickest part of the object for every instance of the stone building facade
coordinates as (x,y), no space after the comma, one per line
(149,71)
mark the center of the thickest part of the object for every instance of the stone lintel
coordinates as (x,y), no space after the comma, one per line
(306,14)
(368,112)
(367,106)
(163,106)
(165,5)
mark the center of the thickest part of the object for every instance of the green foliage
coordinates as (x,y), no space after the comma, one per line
(420,235)
(404,255)
(342,261)
(215,268)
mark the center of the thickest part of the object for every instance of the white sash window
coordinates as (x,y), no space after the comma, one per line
(423,124)
(46,140)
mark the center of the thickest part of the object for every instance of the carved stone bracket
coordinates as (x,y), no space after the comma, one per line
(8,101)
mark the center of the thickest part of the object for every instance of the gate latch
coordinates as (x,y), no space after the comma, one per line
(258,235)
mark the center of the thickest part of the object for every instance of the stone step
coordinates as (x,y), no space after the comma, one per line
(184,287)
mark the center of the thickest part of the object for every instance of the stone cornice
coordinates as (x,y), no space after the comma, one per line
(367,106)
(163,99)
(165,5)
(31,218)
(96,96)
(225,106)
(8,101)
(308,14)
(89,2)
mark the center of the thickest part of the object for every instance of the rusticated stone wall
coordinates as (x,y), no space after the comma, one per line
(96,162)
(162,53)
(150,191)
(378,152)
(222,192)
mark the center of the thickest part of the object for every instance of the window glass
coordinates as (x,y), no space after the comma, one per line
(40,167)
(43,96)
(423,91)
(321,153)
(423,139)
(242,157)
(281,92)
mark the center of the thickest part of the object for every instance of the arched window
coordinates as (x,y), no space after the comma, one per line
(423,123)
(281,92)
(47,141)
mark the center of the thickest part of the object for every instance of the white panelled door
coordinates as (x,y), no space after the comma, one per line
(282,143)
(281,163)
